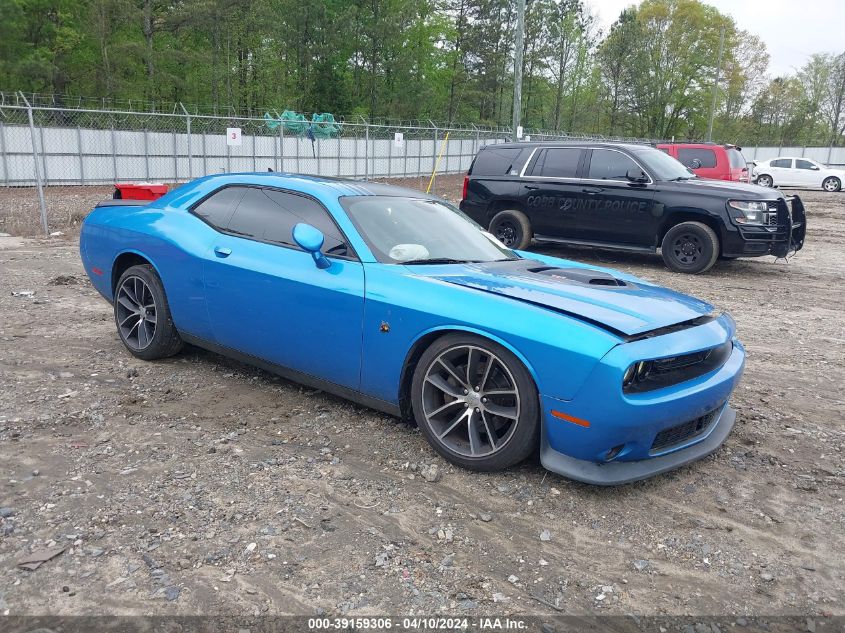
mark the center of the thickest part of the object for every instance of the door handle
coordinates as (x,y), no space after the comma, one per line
(531,187)
(221,251)
(591,190)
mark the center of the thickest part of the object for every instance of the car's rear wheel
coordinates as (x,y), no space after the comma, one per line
(512,228)
(690,247)
(475,403)
(764,180)
(832,183)
(142,315)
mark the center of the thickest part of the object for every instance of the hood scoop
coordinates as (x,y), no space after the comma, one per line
(583,276)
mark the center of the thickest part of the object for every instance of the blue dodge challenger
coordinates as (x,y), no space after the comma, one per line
(396,300)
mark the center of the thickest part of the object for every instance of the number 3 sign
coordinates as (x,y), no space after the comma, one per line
(233,136)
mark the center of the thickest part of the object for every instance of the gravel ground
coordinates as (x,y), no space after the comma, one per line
(198,485)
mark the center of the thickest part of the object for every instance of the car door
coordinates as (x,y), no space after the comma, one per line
(619,210)
(782,171)
(552,191)
(267,298)
(807,173)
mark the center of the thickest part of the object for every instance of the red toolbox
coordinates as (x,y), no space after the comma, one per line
(139,191)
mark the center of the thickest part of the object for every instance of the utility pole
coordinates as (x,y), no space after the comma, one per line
(716,85)
(517,65)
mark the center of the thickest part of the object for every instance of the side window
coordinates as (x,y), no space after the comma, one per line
(803,164)
(706,157)
(217,209)
(311,212)
(610,165)
(493,161)
(270,216)
(786,163)
(557,162)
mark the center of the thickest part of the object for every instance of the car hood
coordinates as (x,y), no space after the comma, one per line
(624,305)
(727,188)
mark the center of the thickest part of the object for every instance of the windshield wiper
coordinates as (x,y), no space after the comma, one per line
(679,178)
(440,260)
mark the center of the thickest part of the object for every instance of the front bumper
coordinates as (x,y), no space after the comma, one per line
(606,436)
(616,473)
(784,236)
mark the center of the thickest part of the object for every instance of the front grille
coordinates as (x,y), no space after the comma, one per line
(682,433)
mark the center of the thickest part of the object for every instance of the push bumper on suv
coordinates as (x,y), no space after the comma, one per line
(782,235)
(634,435)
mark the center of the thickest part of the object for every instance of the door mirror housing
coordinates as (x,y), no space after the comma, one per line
(636,176)
(695,163)
(310,239)
(815,167)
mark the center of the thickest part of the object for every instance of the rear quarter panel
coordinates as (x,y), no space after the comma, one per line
(172,240)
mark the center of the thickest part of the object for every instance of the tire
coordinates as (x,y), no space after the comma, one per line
(764,180)
(512,228)
(831,184)
(139,288)
(444,412)
(690,247)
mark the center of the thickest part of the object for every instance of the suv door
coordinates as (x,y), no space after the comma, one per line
(618,209)
(552,192)
(266,298)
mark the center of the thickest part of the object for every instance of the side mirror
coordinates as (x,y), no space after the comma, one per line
(695,163)
(636,176)
(815,167)
(310,239)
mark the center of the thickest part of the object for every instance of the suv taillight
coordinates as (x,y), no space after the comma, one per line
(466,184)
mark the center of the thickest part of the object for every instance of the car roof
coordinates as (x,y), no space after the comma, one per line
(307,183)
(702,145)
(578,143)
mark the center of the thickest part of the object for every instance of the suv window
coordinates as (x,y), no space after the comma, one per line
(607,164)
(735,158)
(782,162)
(707,157)
(494,161)
(803,164)
(217,209)
(270,215)
(557,162)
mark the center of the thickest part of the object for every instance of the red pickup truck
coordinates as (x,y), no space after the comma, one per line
(709,160)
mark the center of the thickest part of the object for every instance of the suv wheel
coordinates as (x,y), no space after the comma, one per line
(512,228)
(832,183)
(690,247)
(765,180)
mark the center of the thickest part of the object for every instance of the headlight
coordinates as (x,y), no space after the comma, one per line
(749,212)
(637,372)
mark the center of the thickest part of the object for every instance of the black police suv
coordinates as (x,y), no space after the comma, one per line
(629,197)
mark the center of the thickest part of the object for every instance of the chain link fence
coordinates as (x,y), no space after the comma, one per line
(58,160)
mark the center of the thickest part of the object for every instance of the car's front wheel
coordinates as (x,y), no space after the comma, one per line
(832,183)
(475,403)
(142,315)
(764,180)
(512,228)
(690,247)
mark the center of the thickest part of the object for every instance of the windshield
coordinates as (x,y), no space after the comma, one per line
(663,166)
(419,231)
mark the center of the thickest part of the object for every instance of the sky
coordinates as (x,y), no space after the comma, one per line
(792,29)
